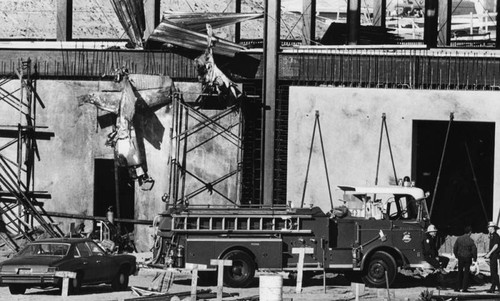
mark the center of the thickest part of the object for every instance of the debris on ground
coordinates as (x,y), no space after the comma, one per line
(200,295)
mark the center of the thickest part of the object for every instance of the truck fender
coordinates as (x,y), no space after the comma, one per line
(395,252)
(240,248)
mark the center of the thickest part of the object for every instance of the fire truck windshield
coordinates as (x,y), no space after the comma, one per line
(386,206)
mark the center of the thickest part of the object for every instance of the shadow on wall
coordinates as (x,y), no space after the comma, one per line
(147,124)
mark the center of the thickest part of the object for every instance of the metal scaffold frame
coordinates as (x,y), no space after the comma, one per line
(21,212)
(189,119)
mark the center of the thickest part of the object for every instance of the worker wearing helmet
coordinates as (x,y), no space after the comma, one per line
(493,255)
(430,250)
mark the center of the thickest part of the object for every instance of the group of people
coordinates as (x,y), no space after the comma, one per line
(465,251)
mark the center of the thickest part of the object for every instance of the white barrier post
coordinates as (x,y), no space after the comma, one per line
(194,277)
(220,274)
(65,281)
(300,265)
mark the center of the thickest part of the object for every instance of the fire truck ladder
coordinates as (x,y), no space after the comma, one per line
(249,224)
(21,212)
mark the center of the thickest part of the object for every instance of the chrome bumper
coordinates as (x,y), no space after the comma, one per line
(35,279)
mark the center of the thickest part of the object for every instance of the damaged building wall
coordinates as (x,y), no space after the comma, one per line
(351,121)
(66,169)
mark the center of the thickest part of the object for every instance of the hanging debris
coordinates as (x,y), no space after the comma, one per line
(185,30)
(131,15)
(131,106)
(214,81)
(197,21)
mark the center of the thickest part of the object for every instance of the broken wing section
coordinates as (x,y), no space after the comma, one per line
(133,103)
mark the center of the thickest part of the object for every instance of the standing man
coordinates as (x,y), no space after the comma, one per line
(493,256)
(466,252)
(430,250)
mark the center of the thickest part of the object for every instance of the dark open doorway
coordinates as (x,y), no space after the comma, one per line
(105,192)
(470,152)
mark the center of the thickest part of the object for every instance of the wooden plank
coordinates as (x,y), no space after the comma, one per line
(97,218)
(300,265)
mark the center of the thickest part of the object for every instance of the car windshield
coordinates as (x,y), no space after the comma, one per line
(45,249)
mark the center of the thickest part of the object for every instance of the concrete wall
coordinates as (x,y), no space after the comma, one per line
(350,120)
(67,166)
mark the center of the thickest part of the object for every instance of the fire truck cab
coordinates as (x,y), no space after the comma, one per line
(377,230)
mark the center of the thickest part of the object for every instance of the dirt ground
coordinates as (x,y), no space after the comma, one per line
(337,288)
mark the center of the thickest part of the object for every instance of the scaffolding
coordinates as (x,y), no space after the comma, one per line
(189,119)
(21,213)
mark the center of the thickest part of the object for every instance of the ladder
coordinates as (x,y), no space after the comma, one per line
(239,224)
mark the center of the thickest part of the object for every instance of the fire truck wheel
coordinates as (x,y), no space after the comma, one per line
(242,273)
(374,272)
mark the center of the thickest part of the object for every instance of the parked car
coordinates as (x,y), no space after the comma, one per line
(37,263)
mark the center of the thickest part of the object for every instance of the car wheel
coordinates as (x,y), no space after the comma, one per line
(120,282)
(17,289)
(242,272)
(75,284)
(374,272)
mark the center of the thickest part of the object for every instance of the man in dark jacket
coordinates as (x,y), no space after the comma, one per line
(466,252)
(493,255)
(430,250)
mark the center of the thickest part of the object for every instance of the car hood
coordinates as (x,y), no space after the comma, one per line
(36,263)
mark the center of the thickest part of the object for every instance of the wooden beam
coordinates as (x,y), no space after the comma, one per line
(379,12)
(308,22)
(152,15)
(64,20)
(97,218)
(444,25)
(271,48)
(353,21)
(431,23)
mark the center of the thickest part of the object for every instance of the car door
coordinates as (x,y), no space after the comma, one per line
(106,267)
(88,263)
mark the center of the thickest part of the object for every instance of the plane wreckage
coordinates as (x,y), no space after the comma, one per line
(135,94)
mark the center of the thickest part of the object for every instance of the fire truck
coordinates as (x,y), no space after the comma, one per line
(375,232)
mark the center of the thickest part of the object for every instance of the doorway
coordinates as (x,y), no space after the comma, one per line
(465,190)
(105,191)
